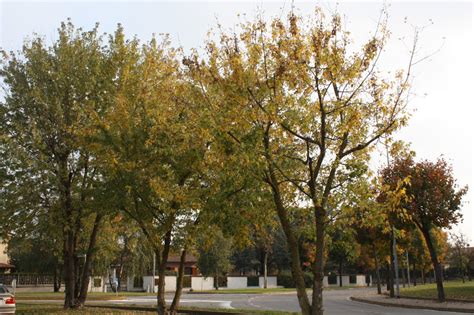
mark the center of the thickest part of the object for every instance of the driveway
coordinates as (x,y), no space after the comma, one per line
(336,302)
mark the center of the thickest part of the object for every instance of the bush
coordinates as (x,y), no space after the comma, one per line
(285,279)
(252,281)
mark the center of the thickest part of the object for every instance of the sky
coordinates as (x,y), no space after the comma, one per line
(442,105)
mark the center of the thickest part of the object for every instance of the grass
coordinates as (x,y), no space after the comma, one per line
(24,309)
(245,291)
(453,290)
(91,296)
(263,291)
(58,309)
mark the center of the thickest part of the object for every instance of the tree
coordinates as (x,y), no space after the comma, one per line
(304,112)
(153,149)
(45,121)
(214,256)
(343,248)
(459,245)
(434,201)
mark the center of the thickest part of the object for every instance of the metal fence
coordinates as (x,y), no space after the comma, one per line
(26,279)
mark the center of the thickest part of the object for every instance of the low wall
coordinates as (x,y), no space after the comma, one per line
(271,282)
(202,283)
(148,283)
(359,281)
(236,282)
(97,284)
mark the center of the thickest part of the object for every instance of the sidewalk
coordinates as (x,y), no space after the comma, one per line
(462,307)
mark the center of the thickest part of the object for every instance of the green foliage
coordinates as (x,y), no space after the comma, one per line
(286,279)
(214,254)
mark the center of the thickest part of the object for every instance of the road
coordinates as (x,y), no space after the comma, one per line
(336,302)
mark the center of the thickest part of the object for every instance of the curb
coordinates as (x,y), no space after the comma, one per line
(434,308)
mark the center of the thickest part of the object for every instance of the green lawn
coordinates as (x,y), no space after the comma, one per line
(453,290)
(263,291)
(245,291)
(92,296)
(57,309)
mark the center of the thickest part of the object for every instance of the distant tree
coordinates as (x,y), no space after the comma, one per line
(214,255)
(434,201)
(459,254)
(343,247)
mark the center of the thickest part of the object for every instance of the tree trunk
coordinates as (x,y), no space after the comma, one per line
(390,279)
(161,303)
(291,240)
(57,278)
(414,272)
(216,282)
(292,243)
(377,270)
(408,269)
(69,272)
(88,261)
(391,270)
(436,265)
(265,269)
(179,284)
(403,277)
(340,273)
(423,275)
(69,246)
(318,265)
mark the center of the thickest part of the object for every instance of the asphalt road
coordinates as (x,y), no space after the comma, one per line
(336,302)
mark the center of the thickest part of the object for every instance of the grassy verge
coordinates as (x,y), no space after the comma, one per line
(92,296)
(58,309)
(453,289)
(264,291)
(24,309)
(245,291)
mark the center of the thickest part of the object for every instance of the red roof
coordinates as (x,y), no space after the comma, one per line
(176,259)
(6,266)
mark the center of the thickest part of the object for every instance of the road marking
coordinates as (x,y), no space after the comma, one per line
(254,305)
(225,304)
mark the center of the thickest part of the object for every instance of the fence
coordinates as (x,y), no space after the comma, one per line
(26,279)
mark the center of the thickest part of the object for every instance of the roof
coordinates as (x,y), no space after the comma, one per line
(6,266)
(176,259)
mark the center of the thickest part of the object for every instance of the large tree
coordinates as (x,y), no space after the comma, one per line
(293,100)
(434,201)
(153,150)
(51,92)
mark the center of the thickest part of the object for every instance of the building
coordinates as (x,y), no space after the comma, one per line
(190,266)
(5,266)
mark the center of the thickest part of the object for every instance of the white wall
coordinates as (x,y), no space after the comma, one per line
(202,283)
(101,288)
(148,283)
(271,282)
(361,280)
(130,287)
(236,282)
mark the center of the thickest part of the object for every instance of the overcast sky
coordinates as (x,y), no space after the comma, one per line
(442,86)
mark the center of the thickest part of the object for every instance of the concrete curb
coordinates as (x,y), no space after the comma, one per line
(434,308)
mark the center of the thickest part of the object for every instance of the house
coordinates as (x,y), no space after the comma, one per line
(5,266)
(190,266)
